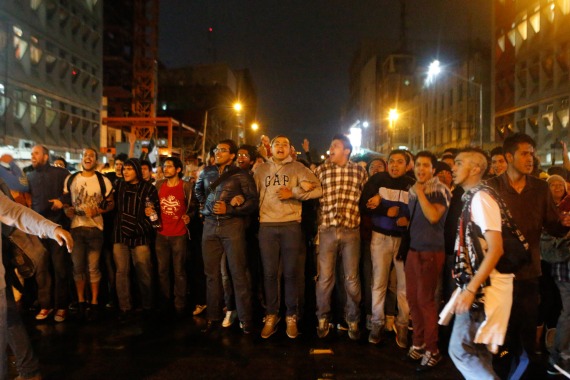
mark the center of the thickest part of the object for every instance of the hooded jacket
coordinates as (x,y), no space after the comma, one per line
(270,177)
(132,226)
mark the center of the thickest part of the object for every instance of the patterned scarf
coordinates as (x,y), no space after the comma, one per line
(469,251)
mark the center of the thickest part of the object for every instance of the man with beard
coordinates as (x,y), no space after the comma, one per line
(224,231)
(46,189)
(176,208)
(135,200)
(91,196)
(530,202)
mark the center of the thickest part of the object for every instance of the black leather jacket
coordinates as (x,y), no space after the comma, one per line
(240,183)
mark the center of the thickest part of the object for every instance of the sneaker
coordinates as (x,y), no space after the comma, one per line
(401,335)
(429,360)
(563,365)
(353,331)
(551,370)
(375,334)
(199,309)
(389,326)
(229,318)
(292,331)
(270,327)
(43,314)
(60,315)
(323,328)
(416,353)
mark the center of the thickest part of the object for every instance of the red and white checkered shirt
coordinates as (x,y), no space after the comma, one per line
(342,187)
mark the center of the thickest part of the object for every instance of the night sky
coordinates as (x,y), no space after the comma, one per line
(299,52)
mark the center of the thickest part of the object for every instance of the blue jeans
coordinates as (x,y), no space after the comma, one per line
(383,252)
(172,249)
(332,242)
(227,236)
(140,256)
(61,262)
(473,360)
(281,246)
(561,348)
(87,245)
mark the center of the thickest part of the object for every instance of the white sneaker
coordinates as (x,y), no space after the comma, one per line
(229,318)
(199,309)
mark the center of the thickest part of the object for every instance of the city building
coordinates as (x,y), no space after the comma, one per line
(50,75)
(206,96)
(531,72)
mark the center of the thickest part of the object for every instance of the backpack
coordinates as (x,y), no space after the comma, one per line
(516,250)
(100,178)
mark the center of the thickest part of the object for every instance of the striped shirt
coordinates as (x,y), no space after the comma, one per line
(342,187)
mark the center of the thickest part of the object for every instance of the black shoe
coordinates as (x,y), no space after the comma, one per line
(210,327)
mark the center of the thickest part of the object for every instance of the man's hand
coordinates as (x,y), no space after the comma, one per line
(402,221)
(419,187)
(62,236)
(307,185)
(565,219)
(91,212)
(220,208)
(374,201)
(148,211)
(69,212)
(56,204)
(186,219)
(284,193)
(393,211)
(237,200)
(305,145)
(464,301)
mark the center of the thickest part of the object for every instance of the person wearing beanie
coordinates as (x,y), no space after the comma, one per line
(132,233)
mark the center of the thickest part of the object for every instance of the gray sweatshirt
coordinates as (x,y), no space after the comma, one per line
(270,177)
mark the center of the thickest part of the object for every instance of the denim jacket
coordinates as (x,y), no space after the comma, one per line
(240,183)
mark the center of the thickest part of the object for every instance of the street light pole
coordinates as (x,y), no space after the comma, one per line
(204,136)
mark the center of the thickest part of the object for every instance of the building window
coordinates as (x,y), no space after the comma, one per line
(4,101)
(35,4)
(35,51)
(35,111)
(20,45)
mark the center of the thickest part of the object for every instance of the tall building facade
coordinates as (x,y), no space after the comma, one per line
(531,72)
(51,74)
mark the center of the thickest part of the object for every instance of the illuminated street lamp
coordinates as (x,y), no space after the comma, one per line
(255,126)
(434,70)
(393,116)
(238,106)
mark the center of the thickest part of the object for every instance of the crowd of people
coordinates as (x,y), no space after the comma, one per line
(396,244)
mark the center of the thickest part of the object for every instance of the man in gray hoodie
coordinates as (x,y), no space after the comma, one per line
(282,184)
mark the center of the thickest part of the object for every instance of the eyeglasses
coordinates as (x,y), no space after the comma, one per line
(243,155)
(221,150)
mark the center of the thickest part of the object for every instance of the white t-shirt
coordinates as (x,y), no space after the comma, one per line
(85,193)
(485,212)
